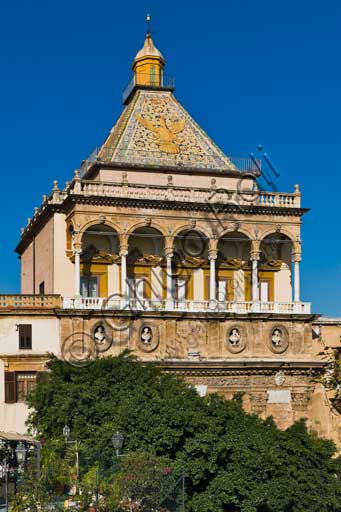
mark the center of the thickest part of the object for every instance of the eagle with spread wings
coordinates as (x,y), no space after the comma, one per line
(166,133)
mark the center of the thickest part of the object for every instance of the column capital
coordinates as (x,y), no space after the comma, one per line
(77,248)
(124,251)
(255,255)
(212,254)
(297,257)
(168,252)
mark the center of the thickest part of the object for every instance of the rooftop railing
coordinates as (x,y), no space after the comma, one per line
(148,80)
(157,158)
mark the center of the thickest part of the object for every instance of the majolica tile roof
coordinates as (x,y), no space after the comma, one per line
(155,130)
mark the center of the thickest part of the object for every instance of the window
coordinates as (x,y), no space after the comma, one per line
(18,385)
(42,288)
(153,75)
(89,286)
(25,336)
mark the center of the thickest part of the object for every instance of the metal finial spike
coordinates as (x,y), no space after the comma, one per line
(148,20)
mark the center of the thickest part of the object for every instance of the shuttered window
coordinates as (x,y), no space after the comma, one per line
(10,388)
(18,385)
(25,336)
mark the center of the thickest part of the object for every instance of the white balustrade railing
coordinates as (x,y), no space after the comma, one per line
(195,306)
(188,194)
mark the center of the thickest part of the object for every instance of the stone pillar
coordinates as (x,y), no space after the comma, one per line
(77,271)
(212,256)
(169,276)
(254,276)
(123,255)
(297,260)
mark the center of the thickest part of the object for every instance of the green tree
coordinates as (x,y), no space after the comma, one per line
(233,461)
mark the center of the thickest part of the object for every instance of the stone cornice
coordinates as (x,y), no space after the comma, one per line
(243,367)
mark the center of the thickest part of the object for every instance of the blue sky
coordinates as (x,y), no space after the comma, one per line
(249,72)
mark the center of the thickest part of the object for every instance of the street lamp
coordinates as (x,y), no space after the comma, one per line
(20,453)
(117,441)
(66,432)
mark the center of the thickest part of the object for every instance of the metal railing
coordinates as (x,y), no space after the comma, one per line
(148,80)
(155,158)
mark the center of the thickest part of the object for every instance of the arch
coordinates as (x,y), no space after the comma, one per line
(151,241)
(146,224)
(272,231)
(276,246)
(241,230)
(96,222)
(69,236)
(190,227)
(237,246)
(100,238)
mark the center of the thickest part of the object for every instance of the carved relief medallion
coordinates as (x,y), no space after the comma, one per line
(148,339)
(236,338)
(279,339)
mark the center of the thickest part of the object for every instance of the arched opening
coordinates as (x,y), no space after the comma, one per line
(274,268)
(233,267)
(190,266)
(69,236)
(99,270)
(144,264)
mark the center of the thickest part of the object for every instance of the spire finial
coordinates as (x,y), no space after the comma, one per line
(148,20)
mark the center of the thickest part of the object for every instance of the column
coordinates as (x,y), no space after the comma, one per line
(77,271)
(297,260)
(169,276)
(123,255)
(254,277)
(213,288)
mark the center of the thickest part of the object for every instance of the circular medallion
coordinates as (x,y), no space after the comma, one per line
(279,339)
(148,338)
(102,337)
(236,338)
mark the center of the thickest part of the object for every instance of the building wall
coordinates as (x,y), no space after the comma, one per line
(63,268)
(45,340)
(44,251)
(27,270)
(45,335)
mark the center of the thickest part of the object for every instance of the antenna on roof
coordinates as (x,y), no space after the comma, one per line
(148,20)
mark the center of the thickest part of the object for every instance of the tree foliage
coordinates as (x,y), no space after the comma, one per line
(233,461)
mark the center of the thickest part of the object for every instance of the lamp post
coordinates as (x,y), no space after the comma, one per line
(117,441)
(20,453)
(66,434)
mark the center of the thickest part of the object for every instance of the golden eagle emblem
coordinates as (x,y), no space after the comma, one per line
(166,133)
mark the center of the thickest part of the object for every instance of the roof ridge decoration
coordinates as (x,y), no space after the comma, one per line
(154,130)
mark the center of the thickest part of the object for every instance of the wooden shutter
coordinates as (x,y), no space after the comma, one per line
(10,388)
(25,336)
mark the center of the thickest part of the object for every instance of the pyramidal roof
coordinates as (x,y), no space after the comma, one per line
(155,130)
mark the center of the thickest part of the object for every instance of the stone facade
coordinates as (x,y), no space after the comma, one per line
(164,245)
